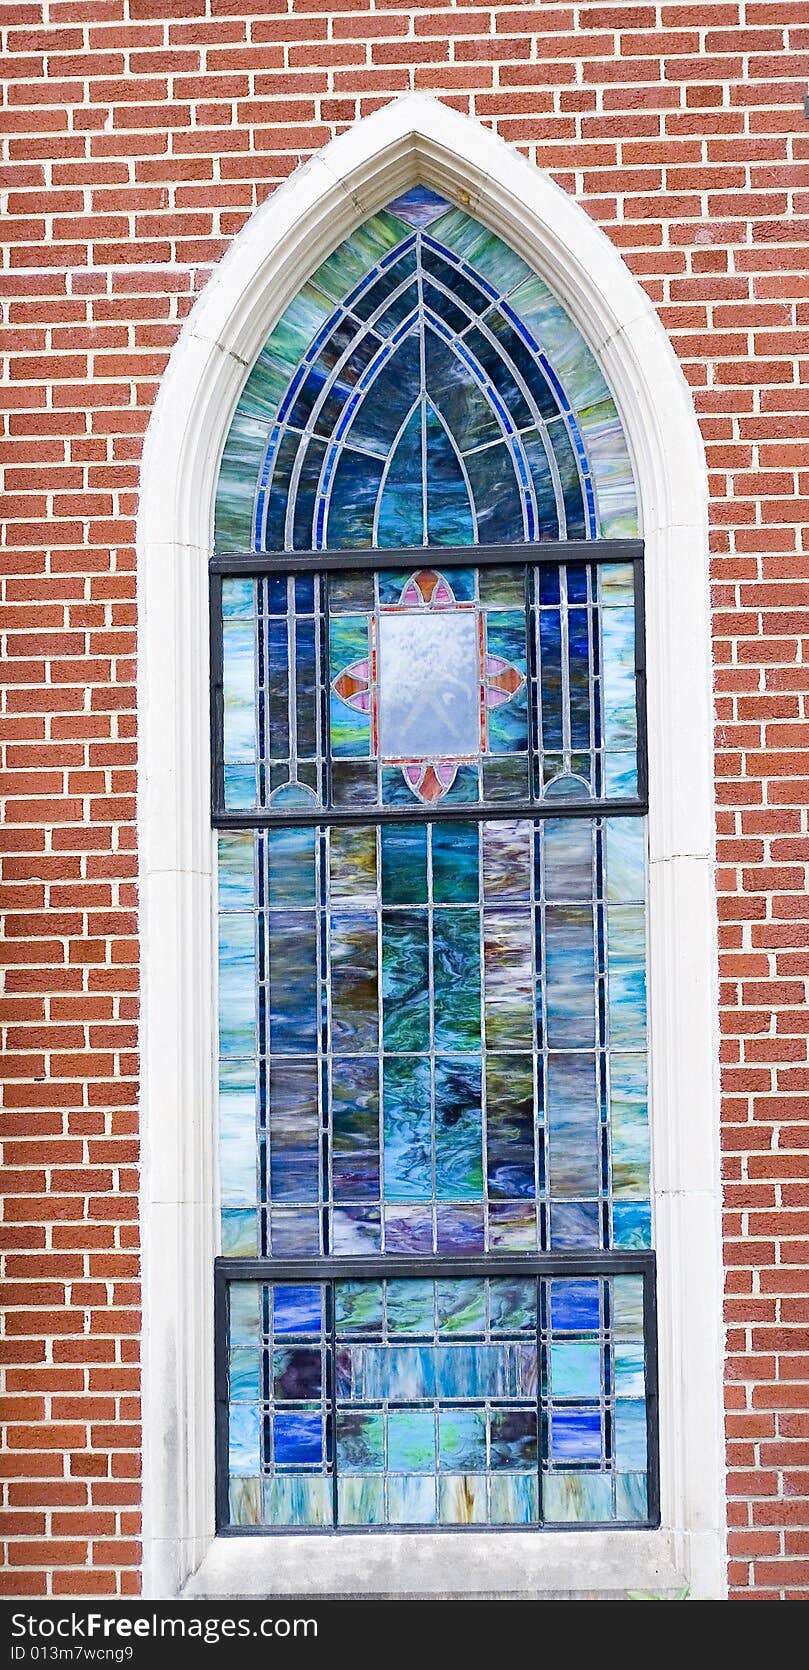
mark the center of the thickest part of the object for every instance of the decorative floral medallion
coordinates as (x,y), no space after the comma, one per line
(428,683)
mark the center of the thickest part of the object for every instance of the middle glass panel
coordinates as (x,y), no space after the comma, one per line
(447,1050)
(488,686)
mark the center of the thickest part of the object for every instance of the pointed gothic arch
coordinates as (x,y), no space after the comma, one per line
(416,140)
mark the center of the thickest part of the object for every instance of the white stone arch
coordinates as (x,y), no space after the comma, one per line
(417,138)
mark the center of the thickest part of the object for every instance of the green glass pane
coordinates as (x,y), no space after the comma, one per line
(358,1307)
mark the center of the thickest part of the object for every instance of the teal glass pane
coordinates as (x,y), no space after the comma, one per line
(411,1440)
(404,865)
(410,1307)
(359,1307)
(407,1132)
(462,1440)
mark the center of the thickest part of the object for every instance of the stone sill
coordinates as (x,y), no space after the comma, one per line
(553,1565)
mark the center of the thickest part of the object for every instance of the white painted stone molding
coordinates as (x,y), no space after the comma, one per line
(415,138)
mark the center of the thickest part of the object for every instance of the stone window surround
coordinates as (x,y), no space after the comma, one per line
(417,138)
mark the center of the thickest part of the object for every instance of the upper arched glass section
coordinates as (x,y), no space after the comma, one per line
(425,387)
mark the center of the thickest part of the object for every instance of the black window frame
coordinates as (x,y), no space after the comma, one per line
(327,1269)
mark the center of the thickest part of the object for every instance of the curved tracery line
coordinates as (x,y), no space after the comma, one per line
(365,328)
(479,321)
(510,431)
(341,436)
(387,346)
(582,460)
(338,443)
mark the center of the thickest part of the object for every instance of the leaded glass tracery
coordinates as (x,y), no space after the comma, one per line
(425,387)
(435,1300)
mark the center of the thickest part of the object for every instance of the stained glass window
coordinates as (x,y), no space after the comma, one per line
(435,1294)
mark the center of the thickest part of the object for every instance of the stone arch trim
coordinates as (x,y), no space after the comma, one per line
(417,138)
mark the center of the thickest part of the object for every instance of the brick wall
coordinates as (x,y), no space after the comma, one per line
(141,134)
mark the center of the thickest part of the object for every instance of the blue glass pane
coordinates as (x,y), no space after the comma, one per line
(498,501)
(402,499)
(297,1439)
(575,1306)
(390,398)
(450,518)
(353,497)
(303,523)
(297,1310)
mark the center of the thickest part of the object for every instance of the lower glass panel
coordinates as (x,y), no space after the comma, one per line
(512,1400)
